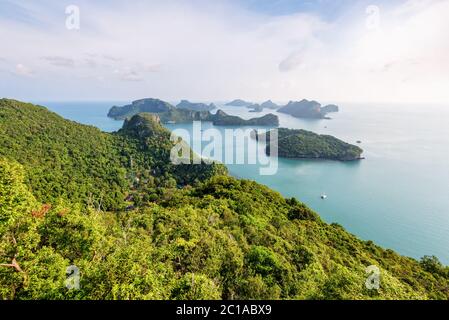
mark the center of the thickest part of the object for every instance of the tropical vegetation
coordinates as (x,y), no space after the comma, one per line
(113,210)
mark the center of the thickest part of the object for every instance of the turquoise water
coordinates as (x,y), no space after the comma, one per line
(397,197)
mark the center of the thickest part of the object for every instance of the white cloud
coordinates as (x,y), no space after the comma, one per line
(23,70)
(219,51)
(405,60)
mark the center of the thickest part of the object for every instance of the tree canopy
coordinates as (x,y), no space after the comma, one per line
(205,235)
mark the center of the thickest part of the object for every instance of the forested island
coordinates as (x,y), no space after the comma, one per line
(238,103)
(221,118)
(143,105)
(197,106)
(308,109)
(170,114)
(138,227)
(302,144)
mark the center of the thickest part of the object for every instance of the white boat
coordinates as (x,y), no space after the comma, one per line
(323,196)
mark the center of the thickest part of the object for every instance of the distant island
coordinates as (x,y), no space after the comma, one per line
(300,144)
(308,109)
(170,114)
(238,103)
(266,105)
(242,103)
(223,119)
(269,105)
(330,108)
(255,108)
(185,104)
(138,106)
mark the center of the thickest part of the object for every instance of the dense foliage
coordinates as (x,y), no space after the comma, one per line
(306,144)
(220,238)
(84,165)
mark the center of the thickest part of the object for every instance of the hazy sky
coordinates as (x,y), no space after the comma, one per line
(214,50)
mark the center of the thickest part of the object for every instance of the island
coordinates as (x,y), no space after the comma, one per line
(143,105)
(238,103)
(302,144)
(307,109)
(259,107)
(330,108)
(255,108)
(185,104)
(223,119)
(269,105)
(170,114)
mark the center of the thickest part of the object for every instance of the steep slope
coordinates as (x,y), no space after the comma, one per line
(223,239)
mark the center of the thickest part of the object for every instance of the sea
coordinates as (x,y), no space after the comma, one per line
(398,196)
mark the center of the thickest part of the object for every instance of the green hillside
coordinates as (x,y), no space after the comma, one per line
(187,233)
(82,164)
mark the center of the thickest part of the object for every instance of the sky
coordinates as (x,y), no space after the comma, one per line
(385,51)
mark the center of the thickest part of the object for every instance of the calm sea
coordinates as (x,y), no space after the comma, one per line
(398,196)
